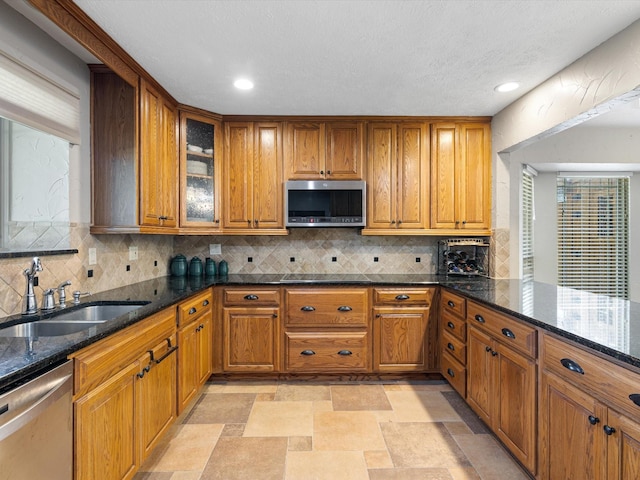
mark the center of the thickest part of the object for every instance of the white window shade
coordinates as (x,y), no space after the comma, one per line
(527,225)
(593,234)
(29,98)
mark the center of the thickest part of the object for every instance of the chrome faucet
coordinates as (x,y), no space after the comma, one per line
(29,304)
(61,293)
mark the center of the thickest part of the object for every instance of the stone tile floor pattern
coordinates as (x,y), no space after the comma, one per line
(306,431)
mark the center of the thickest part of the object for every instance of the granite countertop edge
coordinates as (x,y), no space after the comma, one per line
(162,292)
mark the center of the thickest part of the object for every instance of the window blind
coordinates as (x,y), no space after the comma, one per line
(31,99)
(527,224)
(593,234)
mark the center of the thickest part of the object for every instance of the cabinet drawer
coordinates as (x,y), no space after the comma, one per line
(403,296)
(508,330)
(251,296)
(194,307)
(326,351)
(604,379)
(455,374)
(454,347)
(101,360)
(331,307)
(454,325)
(454,304)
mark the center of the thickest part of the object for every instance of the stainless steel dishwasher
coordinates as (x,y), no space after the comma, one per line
(36,428)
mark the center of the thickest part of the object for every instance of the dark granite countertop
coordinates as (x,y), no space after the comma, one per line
(608,325)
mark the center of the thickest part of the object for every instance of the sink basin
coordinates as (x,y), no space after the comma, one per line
(70,322)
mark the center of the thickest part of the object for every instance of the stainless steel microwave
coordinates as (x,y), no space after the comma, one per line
(325,203)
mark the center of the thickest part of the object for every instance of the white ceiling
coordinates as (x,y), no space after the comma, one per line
(356,57)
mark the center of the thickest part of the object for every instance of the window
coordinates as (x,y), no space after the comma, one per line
(527,222)
(593,233)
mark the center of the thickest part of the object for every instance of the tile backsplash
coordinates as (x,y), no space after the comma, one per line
(335,250)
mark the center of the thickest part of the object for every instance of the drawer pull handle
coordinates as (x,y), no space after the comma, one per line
(192,310)
(451,373)
(450,325)
(451,304)
(571,365)
(635,398)
(451,347)
(168,352)
(593,420)
(402,297)
(308,308)
(205,303)
(609,430)
(251,296)
(480,318)
(345,353)
(508,333)
(344,308)
(307,352)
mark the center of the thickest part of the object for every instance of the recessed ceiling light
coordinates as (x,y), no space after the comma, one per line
(507,87)
(243,84)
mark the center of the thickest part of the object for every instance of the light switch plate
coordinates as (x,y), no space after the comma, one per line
(215,249)
(133,253)
(92,256)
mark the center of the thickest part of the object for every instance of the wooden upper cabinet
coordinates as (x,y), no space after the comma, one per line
(398,176)
(325,150)
(158,160)
(461,176)
(253,190)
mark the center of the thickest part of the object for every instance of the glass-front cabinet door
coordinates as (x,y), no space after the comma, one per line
(200,158)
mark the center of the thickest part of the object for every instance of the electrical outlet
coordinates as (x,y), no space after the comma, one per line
(133,253)
(92,256)
(215,249)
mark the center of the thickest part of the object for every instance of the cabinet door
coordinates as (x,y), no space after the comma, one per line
(105,433)
(205,348)
(572,443)
(413,176)
(344,156)
(250,337)
(474,176)
(156,396)
(382,175)
(480,359)
(443,175)
(238,175)
(150,152)
(267,178)
(158,160)
(515,390)
(305,151)
(400,337)
(623,447)
(187,364)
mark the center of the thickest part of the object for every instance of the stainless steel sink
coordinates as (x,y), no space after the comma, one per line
(69,322)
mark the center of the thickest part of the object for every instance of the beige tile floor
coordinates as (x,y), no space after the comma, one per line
(301,431)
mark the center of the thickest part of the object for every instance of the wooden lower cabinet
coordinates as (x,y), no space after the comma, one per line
(623,456)
(501,389)
(400,337)
(105,438)
(250,339)
(124,398)
(195,342)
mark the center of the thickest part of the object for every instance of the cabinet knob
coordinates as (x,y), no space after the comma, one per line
(321,172)
(205,303)
(328,172)
(508,333)
(393,222)
(451,347)
(192,310)
(217,220)
(479,318)
(255,222)
(609,430)
(402,297)
(593,420)
(345,353)
(307,352)
(451,373)
(251,296)
(451,304)
(163,217)
(399,222)
(451,325)
(308,308)
(344,308)
(571,365)
(464,222)
(487,349)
